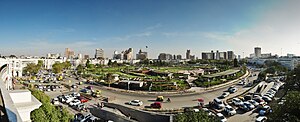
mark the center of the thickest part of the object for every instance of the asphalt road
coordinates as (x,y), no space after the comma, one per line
(178,101)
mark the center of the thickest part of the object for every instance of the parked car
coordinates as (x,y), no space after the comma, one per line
(218,103)
(136,103)
(79,107)
(241,83)
(74,102)
(156,105)
(249,105)
(266,98)
(265,110)
(55,101)
(83,100)
(207,111)
(229,110)
(69,99)
(222,117)
(237,101)
(253,102)
(261,119)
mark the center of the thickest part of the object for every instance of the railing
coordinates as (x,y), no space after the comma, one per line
(10,109)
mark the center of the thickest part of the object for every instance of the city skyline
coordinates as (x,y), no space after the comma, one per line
(41,27)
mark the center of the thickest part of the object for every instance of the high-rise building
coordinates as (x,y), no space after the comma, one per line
(99,54)
(257,52)
(164,56)
(174,57)
(141,55)
(179,57)
(223,55)
(188,54)
(230,55)
(69,53)
(86,56)
(218,55)
(128,54)
(79,56)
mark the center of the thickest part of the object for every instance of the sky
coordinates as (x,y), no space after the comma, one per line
(38,27)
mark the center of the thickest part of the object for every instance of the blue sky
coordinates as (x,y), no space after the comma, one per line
(36,27)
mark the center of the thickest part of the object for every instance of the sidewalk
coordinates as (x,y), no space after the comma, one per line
(193,90)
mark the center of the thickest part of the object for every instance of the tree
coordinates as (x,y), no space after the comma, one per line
(109,79)
(40,63)
(57,67)
(31,68)
(109,62)
(191,116)
(235,62)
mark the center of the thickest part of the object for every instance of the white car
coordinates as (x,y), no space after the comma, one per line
(237,101)
(74,102)
(219,103)
(241,83)
(222,117)
(69,99)
(55,101)
(261,119)
(253,102)
(136,102)
(229,110)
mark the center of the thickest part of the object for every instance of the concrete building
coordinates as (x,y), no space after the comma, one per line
(230,55)
(128,54)
(257,52)
(206,55)
(53,55)
(188,54)
(164,56)
(18,103)
(217,55)
(179,57)
(141,55)
(223,55)
(69,54)
(99,53)
(86,57)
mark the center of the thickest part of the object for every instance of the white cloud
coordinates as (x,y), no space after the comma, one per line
(158,25)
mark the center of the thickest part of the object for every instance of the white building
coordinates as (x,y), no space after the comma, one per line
(99,54)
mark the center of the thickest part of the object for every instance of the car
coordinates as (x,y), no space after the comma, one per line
(79,107)
(69,99)
(160,98)
(219,103)
(90,87)
(75,94)
(265,110)
(258,99)
(233,90)
(266,98)
(237,101)
(82,99)
(222,117)
(241,83)
(156,105)
(231,87)
(247,97)
(224,95)
(136,102)
(253,102)
(229,110)
(55,101)
(249,105)
(261,119)
(207,111)
(74,102)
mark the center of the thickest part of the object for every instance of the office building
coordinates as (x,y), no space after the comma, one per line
(178,57)
(69,54)
(230,55)
(164,56)
(257,52)
(208,55)
(99,54)
(128,54)
(141,55)
(86,57)
(188,54)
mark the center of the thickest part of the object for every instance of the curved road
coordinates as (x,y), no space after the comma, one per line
(178,101)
